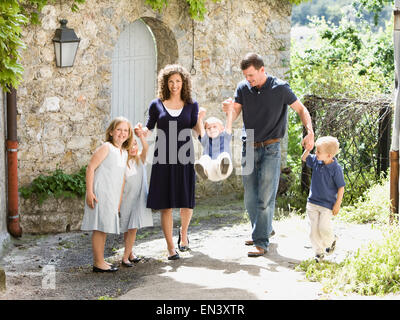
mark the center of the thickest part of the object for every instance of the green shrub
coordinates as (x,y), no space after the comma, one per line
(348,60)
(373,270)
(293,200)
(372,206)
(59,184)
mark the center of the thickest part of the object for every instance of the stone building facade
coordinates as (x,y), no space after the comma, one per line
(63,112)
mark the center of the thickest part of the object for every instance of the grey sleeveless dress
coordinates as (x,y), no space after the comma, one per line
(107,186)
(133,211)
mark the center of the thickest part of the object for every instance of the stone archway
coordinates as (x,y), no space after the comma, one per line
(167,47)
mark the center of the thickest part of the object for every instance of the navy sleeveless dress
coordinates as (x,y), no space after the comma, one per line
(172,181)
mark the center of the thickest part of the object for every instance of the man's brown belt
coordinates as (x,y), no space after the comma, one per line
(265,143)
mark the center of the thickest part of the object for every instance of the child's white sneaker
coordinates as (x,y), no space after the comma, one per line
(200,170)
(224,165)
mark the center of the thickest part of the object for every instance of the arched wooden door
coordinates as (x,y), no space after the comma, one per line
(134,64)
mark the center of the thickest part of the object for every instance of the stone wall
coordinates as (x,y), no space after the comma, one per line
(53,216)
(4,236)
(63,113)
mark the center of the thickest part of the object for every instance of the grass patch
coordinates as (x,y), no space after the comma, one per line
(223,209)
(105,298)
(143,234)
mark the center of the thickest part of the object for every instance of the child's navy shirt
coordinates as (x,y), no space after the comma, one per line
(214,147)
(326,179)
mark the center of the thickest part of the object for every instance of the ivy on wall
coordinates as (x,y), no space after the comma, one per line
(197,8)
(11,43)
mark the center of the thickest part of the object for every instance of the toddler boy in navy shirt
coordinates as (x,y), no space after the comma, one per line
(215,163)
(326,194)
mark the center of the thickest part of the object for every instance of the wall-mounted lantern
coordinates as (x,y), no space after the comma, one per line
(65,45)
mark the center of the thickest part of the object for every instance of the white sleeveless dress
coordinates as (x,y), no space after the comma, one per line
(133,211)
(107,187)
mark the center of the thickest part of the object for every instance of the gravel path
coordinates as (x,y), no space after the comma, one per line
(217,267)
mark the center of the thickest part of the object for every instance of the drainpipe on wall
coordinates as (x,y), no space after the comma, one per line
(394,152)
(13,226)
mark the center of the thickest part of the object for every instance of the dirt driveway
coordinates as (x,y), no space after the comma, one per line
(58,267)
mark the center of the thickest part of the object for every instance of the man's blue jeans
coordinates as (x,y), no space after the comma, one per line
(260,188)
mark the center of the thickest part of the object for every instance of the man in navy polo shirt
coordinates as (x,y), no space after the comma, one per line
(263,100)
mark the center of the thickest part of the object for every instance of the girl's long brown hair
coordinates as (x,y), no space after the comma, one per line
(163,76)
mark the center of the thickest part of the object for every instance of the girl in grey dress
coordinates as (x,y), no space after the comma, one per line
(133,211)
(104,180)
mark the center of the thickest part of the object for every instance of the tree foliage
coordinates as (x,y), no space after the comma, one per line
(331,10)
(374,6)
(335,10)
(343,57)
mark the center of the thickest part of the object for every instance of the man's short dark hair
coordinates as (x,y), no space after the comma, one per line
(252,59)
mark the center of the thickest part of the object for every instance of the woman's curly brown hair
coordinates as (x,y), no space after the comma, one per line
(163,76)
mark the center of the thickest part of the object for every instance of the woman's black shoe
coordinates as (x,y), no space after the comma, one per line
(112,269)
(182,248)
(125,264)
(135,260)
(174,257)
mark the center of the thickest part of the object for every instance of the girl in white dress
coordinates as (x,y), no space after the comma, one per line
(133,211)
(104,180)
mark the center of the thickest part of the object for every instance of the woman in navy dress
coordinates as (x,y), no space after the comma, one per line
(172,182)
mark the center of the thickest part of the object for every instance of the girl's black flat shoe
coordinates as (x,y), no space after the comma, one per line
(135,260)
(112,269)
(128,265)
(174,257)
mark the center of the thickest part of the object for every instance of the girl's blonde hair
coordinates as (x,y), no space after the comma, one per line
(114,123)
(328,144)
(135,157)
